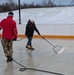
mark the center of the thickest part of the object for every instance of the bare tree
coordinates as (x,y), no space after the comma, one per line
(73,2)
(44,3)
(12,2)
(48,3)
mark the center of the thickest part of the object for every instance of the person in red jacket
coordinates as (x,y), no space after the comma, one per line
(9,34)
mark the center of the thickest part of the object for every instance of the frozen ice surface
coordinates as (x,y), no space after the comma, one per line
(42,58)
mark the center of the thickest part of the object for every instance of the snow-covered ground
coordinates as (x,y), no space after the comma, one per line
(57,20)
(61,15)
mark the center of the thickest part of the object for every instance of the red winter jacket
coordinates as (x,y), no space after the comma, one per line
(9,28)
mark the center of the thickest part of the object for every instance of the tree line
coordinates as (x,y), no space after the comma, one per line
(12,5)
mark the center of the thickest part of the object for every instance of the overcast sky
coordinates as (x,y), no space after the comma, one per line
(23,1)
(29,1)
(40,1)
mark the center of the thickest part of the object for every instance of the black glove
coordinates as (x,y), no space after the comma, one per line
(14,39)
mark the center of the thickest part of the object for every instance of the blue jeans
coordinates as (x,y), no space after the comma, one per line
(29,41)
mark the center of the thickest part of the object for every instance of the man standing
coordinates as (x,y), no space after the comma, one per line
(9,34)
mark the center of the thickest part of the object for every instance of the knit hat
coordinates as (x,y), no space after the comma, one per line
(32,20)
(10,13)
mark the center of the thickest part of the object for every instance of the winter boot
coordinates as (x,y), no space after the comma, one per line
(26,46)
(9,59)
(31,48)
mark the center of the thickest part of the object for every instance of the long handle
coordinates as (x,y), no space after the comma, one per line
(47,41)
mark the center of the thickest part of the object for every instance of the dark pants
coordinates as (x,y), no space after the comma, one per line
(29,41)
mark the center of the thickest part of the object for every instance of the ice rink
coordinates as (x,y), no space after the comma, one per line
(42,60)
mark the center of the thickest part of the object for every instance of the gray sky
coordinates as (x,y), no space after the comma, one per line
(30,1)
(23,1)
(55,1)
(39,1)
